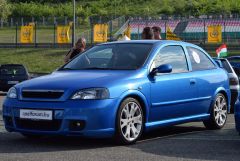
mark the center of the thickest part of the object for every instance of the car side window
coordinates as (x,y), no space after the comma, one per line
(172,55)
(199,59)
(226,66)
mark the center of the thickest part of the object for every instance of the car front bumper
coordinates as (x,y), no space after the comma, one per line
(90,118)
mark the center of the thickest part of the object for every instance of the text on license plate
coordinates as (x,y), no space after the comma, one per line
(36,114)
(13,82)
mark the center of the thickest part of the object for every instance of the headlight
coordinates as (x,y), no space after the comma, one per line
(92,93)
(12,93)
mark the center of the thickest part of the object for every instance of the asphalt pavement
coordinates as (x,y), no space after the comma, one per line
(183,142)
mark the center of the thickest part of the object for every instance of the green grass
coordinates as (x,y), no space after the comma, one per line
(36,60)
(45,60)
(44,34)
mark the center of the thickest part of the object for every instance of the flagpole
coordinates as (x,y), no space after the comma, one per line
(74,23)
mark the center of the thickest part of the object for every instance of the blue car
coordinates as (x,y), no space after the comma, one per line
(120,90)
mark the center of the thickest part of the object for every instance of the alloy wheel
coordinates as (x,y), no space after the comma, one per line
(131,120)
(220,110)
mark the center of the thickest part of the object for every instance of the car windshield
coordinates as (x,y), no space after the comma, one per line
(12,70)
(126,56)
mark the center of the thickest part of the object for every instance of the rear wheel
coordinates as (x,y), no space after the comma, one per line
(218,115)
(129,121)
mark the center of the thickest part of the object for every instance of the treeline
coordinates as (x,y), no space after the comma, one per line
(86,8)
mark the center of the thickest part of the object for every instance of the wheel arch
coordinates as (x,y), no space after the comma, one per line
(139,97)
(226,94)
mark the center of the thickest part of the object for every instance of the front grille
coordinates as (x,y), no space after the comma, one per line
(52,125)
(46,94)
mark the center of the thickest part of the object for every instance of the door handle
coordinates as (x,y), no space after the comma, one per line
(192,81)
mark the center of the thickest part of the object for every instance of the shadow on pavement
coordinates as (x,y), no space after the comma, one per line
(177,142)
(201,144)
(16,143)
(169,131)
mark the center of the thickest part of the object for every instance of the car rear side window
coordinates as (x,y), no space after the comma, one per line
(199,59)
(174,56)
(226,66)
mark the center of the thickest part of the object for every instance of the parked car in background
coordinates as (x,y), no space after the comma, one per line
(235,62)
(122,89)
(11,74)
(233,81)
(237,116)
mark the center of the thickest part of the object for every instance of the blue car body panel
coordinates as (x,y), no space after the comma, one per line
(167,99)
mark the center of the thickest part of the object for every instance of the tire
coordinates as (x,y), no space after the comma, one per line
(218,113)
(130,122)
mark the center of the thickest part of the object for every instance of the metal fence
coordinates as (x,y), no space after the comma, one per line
(190,30)
(42,21)
(45,30)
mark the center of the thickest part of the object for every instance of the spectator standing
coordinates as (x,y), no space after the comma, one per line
(147,33)
(78,48)
(157,32)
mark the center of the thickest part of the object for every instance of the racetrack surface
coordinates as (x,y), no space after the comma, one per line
(183,142)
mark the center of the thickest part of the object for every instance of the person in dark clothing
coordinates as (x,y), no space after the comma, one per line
(147,33)
(157,32)
(78,48)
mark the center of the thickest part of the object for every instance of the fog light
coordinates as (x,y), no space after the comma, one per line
(76,125)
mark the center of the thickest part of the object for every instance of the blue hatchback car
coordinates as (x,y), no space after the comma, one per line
(122,89)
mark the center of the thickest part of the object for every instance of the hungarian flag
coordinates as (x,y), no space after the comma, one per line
(222,51)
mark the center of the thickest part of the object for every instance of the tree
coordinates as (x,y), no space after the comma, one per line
(4,9)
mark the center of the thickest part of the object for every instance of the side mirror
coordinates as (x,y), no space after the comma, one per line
(165,68)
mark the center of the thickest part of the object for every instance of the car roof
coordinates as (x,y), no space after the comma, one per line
(231,57)
(219,58)
(5,65)
(151,42)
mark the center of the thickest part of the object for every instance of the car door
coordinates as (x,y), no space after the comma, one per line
(207,77)
(173,94)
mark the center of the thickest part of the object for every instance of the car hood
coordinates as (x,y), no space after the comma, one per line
(62,80)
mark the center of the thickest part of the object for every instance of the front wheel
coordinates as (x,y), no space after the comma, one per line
(130,120)
(218,115)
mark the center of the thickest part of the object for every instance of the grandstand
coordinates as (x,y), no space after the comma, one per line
(193,30)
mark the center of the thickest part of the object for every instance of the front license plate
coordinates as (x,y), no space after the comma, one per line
(35,114)
(13,82)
